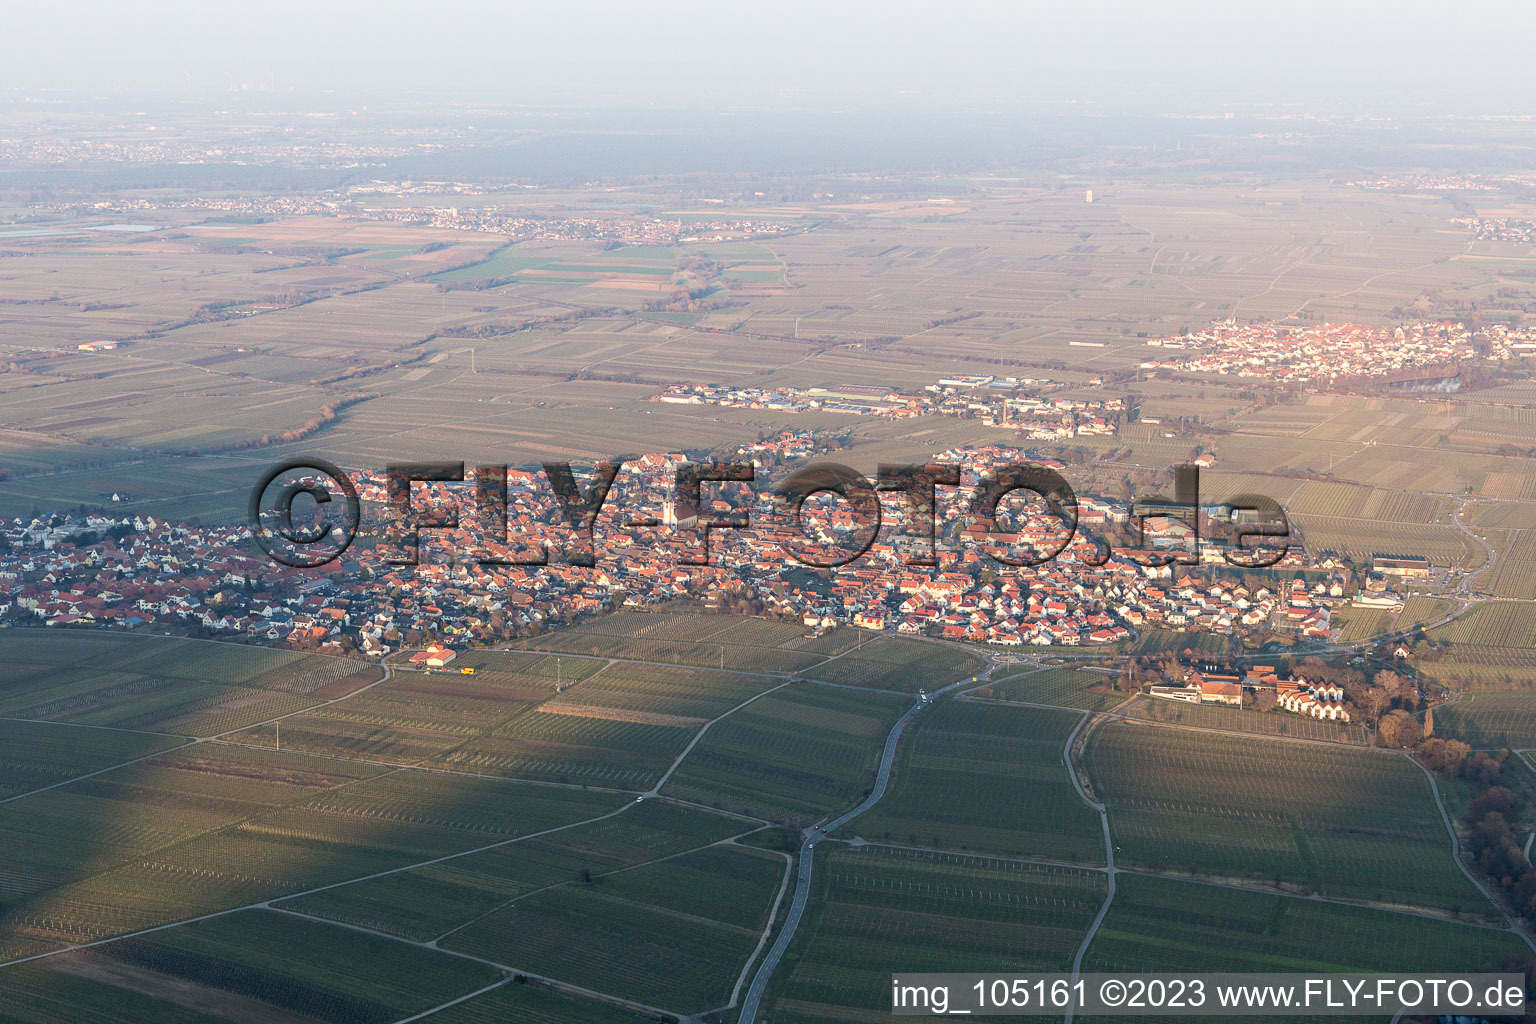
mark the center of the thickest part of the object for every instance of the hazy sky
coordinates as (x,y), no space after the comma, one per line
(1198,53)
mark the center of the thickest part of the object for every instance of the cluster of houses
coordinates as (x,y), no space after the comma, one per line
(1499,229)
(1315,700)
(1322,352)
(143,572)
(1225,686)
(1033,407)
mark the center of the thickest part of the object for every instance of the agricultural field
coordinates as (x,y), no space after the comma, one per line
(1422,609)
(249,826)
(426,903)
(1362,540)
(254,965)
(674,934)
(41,754)
(1157,641)
(413,717)
(874,910)
(990,778)
(621,727)
(1061,687)
(898,663)
(1488,648)
(1243,720)
(1346,823)
(1162,924)
(1351,624)
(793,756)
(1354,501)
(1514,569)
(61,838)
(532,1003)
(711,641)
(163,684)
(1489,720)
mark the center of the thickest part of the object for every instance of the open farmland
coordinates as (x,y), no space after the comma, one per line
(263,323)
(1345,823)
(1167,925)
(1243,720)
(620,727)
(1351,625)
(409,719)
(58,840)
(726,642)
(897,663)
(162,684)
(674,934)
(793,756)
(1487,648)
(1514,569)
(255,965)
(428,902)
(1061,687)
(1489,720)
(1363,540)
(534,1004)
(1161,924)
(876,910)
(41,754)
(329,822)
(979,777)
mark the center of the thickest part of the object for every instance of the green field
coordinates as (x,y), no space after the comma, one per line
(1158,924)
(163,684)
(621,727)
(41,754)
(534,1004)
(877,910)
(189,830)
(897,663)
(711,641)
(1487,648)
(793,756)
(1489,721)
(1343,822)
(1061,687)
(427,902)
(254,965)
(989,778)
(245,826)
(499,267)
(673,934)
(1166,641)
(1244,720)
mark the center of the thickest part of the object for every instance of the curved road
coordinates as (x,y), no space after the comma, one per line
(1110,871)
(754,996)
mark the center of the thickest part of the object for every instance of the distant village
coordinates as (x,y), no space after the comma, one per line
(1322,353)
(1499,229)
(1022,404)
(372,203)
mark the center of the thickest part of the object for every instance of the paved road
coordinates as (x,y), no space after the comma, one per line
(1490,555)
(1434,791)
(1110,871)
(754,997)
